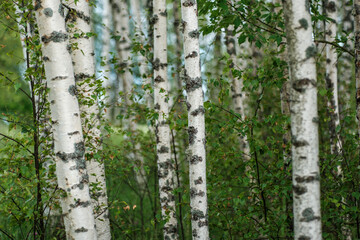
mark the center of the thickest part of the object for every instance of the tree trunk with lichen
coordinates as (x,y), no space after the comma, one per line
(72,176)
(330,9)
(84,69)
(166,169)
(196,121)
(141,60)
(347,67)
(304,120)
(110,93)
(238,96)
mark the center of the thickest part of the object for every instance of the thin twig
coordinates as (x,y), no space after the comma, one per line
(12,139)
(335,45)
(13,82)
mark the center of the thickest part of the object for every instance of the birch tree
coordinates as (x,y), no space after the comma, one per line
(105,54)
(72,176)
(84,70)
(304,120)
(238,97)
(123,46)
(331,74)
(345,78)
(135,5)
(161,95)
(196,121)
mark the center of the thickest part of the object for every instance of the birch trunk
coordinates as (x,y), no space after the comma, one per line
(304,120)
(105,54)
(135,5)
(84,70)
(166,169)
(178,45)
(69,148)
(345,78)
(331,75)
(123,46)
(196,118)
(238,97)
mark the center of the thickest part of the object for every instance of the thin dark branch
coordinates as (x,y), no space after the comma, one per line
(273,30)
(335,45)
(1,74)
(12,139)
(7,234)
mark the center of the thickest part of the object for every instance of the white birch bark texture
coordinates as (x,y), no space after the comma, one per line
(331,74)
(357,58)
(110,94)
(345,78)
(69,148)
(123,45)
(178,46)
(84,70)
(196,121)
(22,28)
(238,97)
(166,169)
(143,67)
(304,120)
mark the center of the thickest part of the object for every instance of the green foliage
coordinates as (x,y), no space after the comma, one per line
(248,199)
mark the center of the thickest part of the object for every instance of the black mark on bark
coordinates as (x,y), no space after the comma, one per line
(304,23)
(55,37)
(48,12)
(72,90)
(311,51)
(200,110)
(309,215)
(195,159)
(299,190)
(192,134)
(82,229)
(194,34)
(302,84)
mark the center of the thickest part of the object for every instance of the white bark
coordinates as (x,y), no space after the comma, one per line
(143,67)
(166,169)
(304,120)
(331,75)
(346,76)
(196,118)
(123,45)
(238,96)
(84,70)
(105,54)
(69,147)
(22,28)
(178,45)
